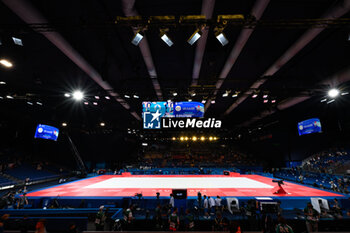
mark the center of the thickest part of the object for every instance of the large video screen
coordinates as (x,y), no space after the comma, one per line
(174,109)
(46,132)
(309,126)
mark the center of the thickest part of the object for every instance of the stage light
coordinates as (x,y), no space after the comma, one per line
(266,101)
(136,96)
(323,100)
(1,97)
(97,97)
(331,101)
(39,103)
(30,103)
(225,94)
(202,138)
(265,96)
(17,41)
(78,95)
(203,101)
(273,101)
(235,95)
(215,138)
(127,96)
(210,138)
(333,93)
(64,124)
(9,97)
(102,124)
(174,94)
(186,138)
(182,138)
(193,94)
(213,101)
(86,103)
(194,138)
(144,144)
(343,93)
(67,95)
(189,100)
(6,63)
(165,38)
(94,103)
(137,38)
(107,97)
(254,96)
(174,138)
(2,83)
(220,36)
(194,37)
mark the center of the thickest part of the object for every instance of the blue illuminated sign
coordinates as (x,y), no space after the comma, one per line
(309,126)
(46,132)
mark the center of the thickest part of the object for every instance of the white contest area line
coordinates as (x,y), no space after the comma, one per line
(179,183)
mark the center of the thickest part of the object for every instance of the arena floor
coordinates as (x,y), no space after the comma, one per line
(210,185)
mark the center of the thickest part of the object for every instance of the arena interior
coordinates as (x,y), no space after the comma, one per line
(174,115)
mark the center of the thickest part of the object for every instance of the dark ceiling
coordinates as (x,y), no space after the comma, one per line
(42,73)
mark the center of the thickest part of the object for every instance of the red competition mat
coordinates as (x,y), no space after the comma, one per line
(211,185)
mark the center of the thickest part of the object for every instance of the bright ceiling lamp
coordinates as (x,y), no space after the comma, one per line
(220,36)
(333,93)
(6,63)
(194,37)
(78,95)
(165,37)
(137,38)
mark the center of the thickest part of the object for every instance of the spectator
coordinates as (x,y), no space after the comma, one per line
(189,221)
(174,220)
(282,226)
(171,201)
(218,202)
(220,224)
(2,222)
(235,227)
(100,219)
(312,218)
(128,217)
(40,226)
(211,204)
(205,204)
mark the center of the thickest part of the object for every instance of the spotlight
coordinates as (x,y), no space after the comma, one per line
(86,103)
(266,101)
(195,36)
(331,101)
(165,38)
(9,97)
(39,103)
(137,38)
(97,97)
(127,96)
(67,95)
(186,138)
(333,93)
(210,138)
(265,96)
(323,100)
(193,94)
(94,103)
(215,138)
(144,144)
(273,101)
(2,83)
(220,36)
(78,95)
(182,138)
(225,94)
(202,138)
(254,96)
(194,138)
(203,101)
(235,95)
(6,63)
(64,124)
(343,93)
(102,124)
(107,97)
(189,100)
(174,138)
(30,103)
(136,96)
(213,101)
(1,97)
(17,41)
(175,94)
